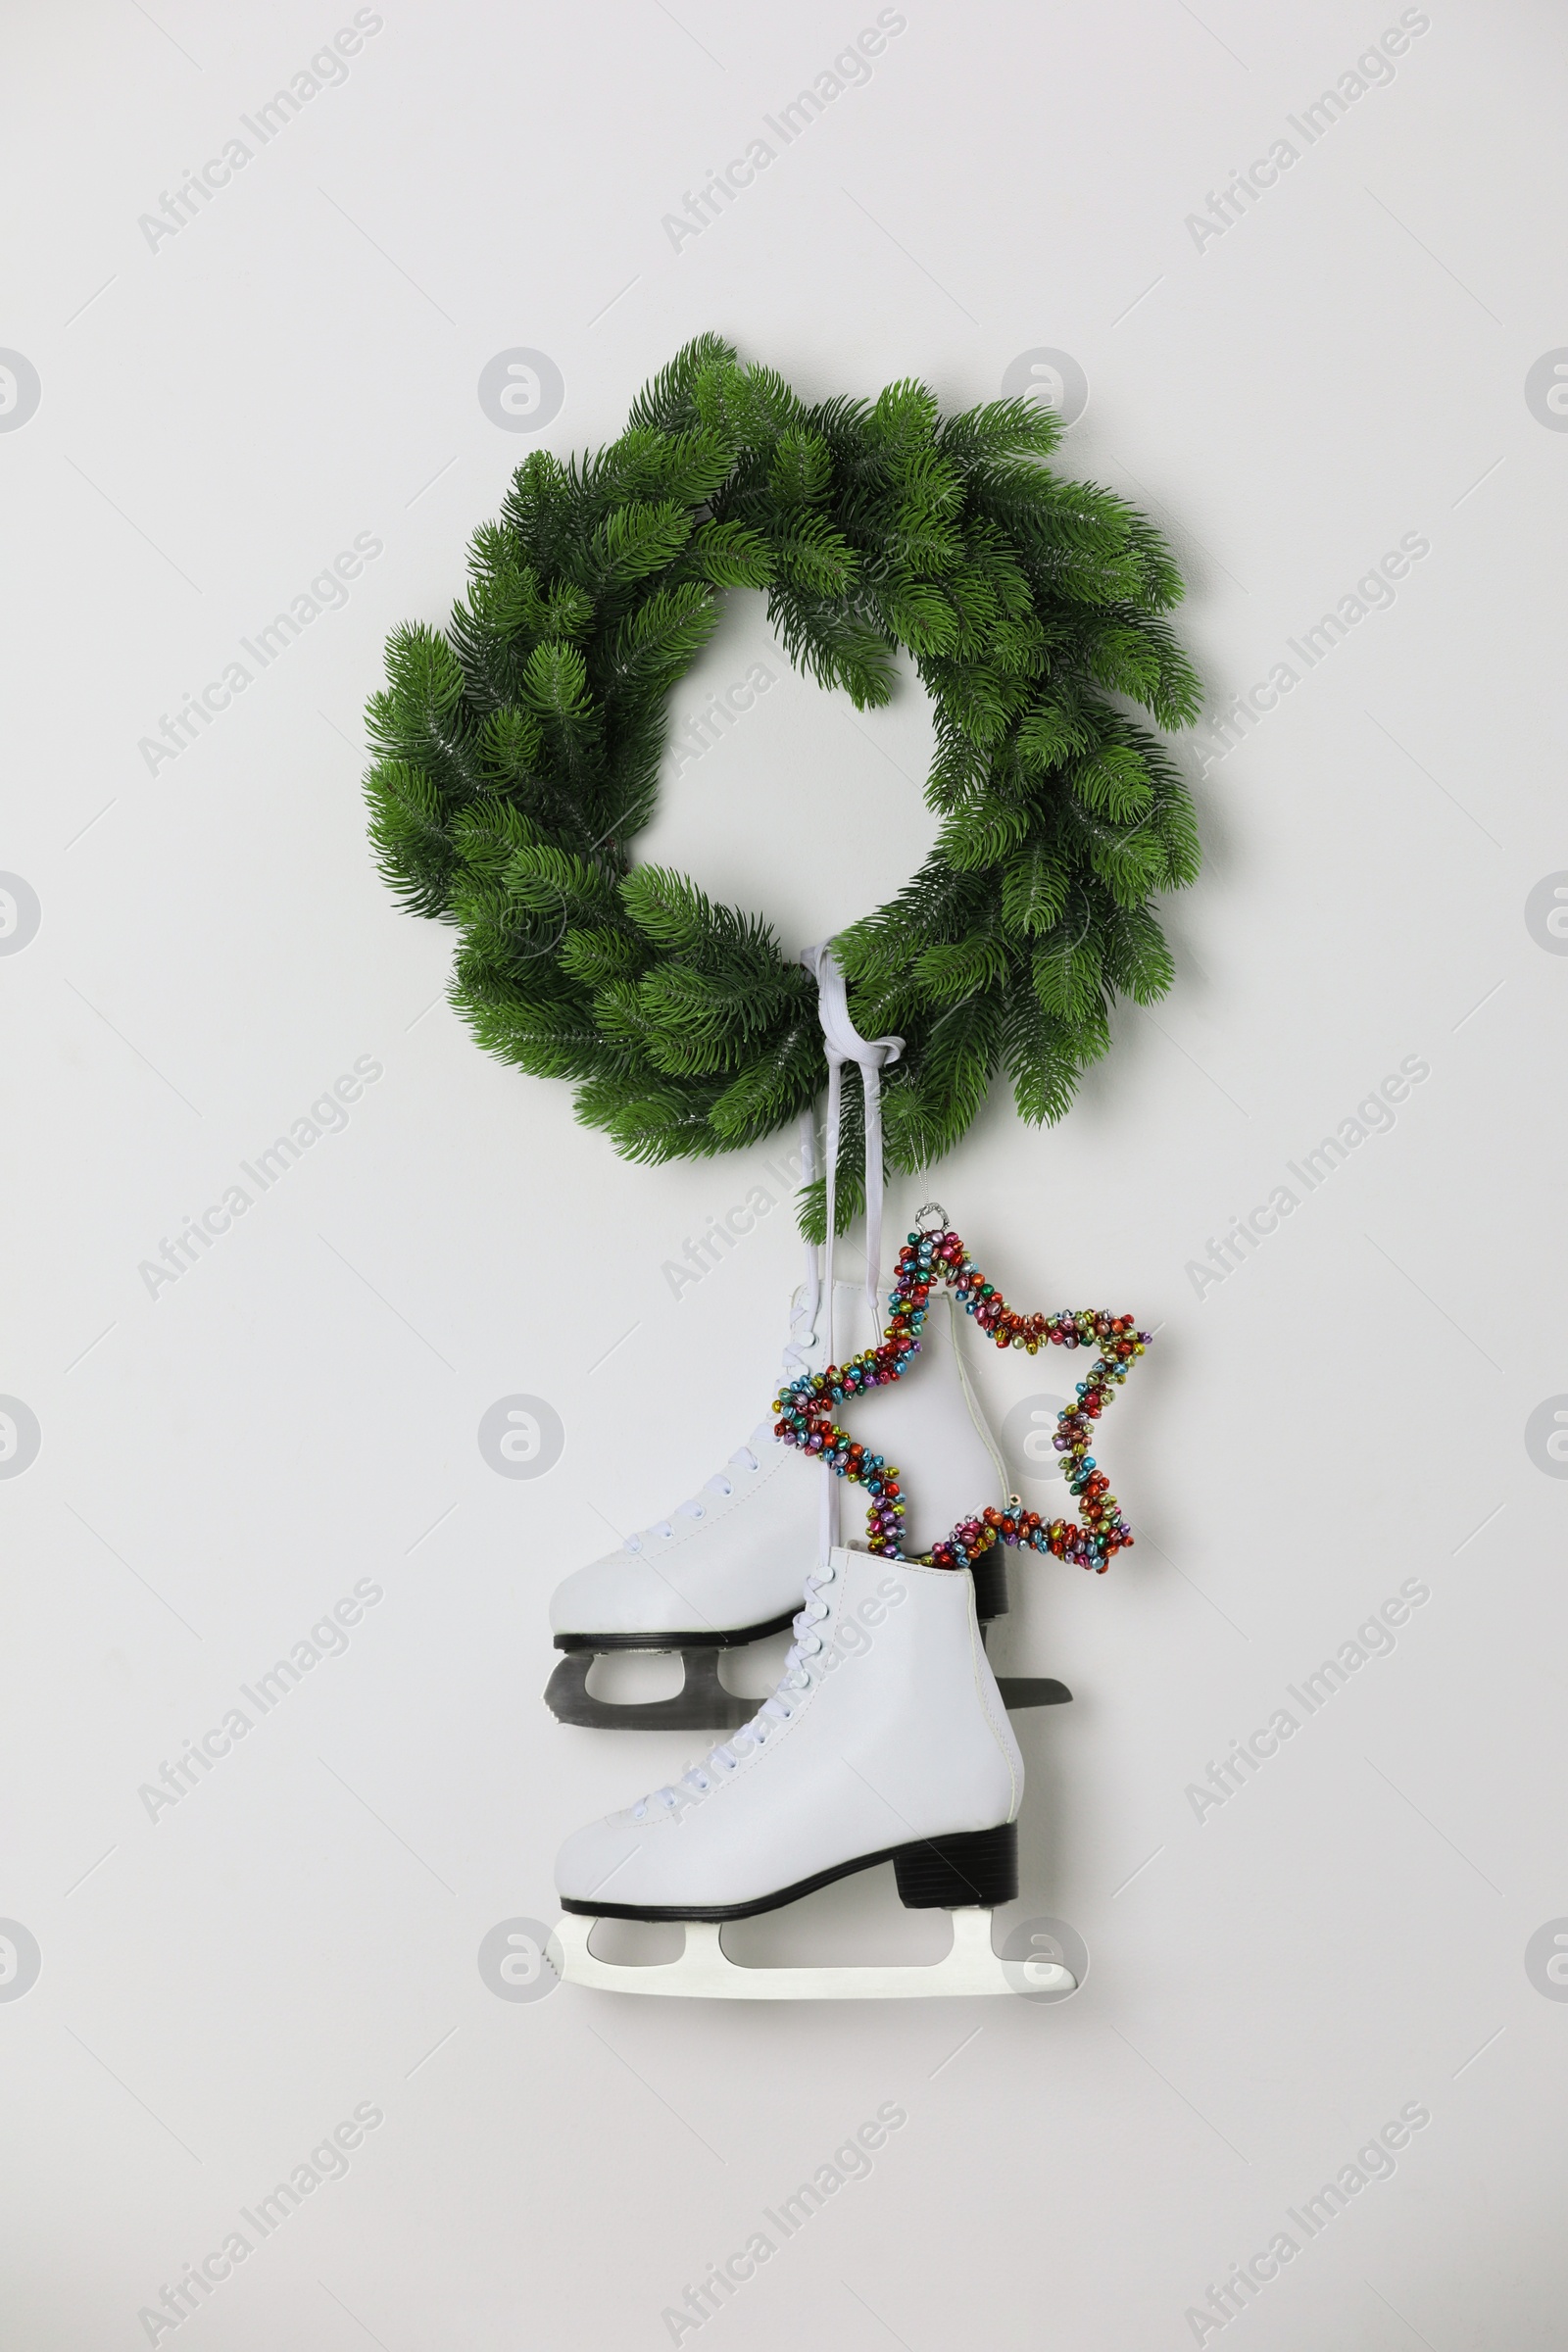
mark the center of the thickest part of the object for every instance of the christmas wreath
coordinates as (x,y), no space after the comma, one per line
(517,756)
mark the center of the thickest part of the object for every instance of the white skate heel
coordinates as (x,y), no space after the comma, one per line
(886,1741)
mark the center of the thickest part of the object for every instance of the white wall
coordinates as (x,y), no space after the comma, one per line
(1273,1978)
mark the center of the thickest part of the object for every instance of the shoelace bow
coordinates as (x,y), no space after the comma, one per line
(938,1257)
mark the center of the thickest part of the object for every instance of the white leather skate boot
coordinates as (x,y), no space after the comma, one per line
(886,1741)
(726,1567)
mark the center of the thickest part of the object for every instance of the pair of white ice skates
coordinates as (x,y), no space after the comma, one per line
(886,1739)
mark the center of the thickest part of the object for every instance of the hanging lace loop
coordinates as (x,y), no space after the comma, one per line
(803,1318)
(841,1042)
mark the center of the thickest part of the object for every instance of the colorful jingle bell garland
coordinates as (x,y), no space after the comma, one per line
(926,1260)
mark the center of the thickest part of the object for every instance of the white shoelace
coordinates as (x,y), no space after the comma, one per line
(841,1042)
(721,1485)
(798,1349)
(720,1762)
(803,1318)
